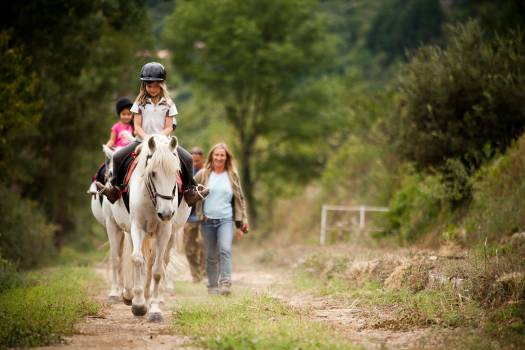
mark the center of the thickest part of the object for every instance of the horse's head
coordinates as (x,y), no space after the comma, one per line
(160,174)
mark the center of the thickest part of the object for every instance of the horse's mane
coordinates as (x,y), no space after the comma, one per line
(162,159)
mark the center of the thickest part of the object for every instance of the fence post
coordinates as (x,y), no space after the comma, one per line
(322,237)
(361,218)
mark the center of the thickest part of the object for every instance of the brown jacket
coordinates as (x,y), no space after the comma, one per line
(238,202)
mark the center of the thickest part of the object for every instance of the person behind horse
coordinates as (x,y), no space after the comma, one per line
(192,236)
(153,113)
(224,206)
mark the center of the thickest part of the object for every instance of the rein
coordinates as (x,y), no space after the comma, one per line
(152,190)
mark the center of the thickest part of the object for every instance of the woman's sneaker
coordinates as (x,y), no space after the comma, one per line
(213,291)
(224,289)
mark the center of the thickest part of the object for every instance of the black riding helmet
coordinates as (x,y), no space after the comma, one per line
(153,71)
(121,104)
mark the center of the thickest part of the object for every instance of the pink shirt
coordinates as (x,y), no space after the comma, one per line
(121,140)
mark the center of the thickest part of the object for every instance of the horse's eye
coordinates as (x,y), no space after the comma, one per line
(153,174)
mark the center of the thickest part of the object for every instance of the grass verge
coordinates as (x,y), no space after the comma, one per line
(47,309)
(249,321)
(423,308)
(488,305)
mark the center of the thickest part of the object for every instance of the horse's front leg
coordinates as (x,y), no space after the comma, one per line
(138,305)
(114,237)
(163,236)
(126,266)
(168,273)
(149,267)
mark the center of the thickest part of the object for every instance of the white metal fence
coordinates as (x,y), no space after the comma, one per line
(362,209)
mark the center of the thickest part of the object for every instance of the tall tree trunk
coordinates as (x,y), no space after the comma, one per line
(248,183)
(247,138)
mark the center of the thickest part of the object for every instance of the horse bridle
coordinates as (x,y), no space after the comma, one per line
(153,194)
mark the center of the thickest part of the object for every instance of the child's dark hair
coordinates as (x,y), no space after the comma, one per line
(121,104)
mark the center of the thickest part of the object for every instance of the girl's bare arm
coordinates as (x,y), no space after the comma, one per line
(137,123)
(168,126)
(112,139)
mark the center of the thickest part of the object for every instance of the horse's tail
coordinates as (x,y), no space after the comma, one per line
(127,262)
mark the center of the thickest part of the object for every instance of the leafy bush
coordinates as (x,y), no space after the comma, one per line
(9,276)
(415,207)
(499,190)
(26,238)
(41,314)
(464,101)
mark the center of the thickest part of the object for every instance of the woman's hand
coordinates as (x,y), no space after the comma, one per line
(239,234)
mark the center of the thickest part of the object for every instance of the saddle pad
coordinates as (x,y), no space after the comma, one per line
(130,166)
(100,175)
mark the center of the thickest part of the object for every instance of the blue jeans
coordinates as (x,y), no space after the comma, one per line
(218,237)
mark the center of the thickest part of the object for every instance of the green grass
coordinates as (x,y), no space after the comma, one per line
(426,307)
(249,321)
(72,256)
(42,313)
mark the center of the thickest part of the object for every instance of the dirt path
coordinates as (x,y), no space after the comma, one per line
(116,328)
(357,325)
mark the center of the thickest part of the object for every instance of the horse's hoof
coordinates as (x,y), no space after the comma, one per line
(139,310)
(114,299)
(156,317)
(127,301)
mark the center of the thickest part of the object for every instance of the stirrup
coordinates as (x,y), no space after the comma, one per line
(101,187)
(201,188)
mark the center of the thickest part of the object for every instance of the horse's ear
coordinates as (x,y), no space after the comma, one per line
(173,142)
(151,144)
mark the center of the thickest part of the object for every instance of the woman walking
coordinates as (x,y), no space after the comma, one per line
(219,212)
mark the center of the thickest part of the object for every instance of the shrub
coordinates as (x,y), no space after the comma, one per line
(414,207)
(9,276)
(462,102)
(499,189)
(26,238)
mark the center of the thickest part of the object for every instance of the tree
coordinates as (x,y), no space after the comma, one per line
(20,111)
(252,55)
(400,25)
(462,103)
(81,52)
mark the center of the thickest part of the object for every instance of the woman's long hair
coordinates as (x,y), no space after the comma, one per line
(141,99)
(229,165)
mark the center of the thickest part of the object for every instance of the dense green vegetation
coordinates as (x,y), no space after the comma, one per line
(59,84)
(43,307)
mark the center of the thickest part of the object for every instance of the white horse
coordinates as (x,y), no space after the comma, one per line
(102,211)
(155,218)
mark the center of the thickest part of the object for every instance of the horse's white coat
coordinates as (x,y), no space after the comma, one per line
(153,227)
(117,221)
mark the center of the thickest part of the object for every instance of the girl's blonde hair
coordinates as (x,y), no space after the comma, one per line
(229,165)
(141,99)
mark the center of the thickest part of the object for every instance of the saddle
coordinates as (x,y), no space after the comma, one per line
(129,164)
